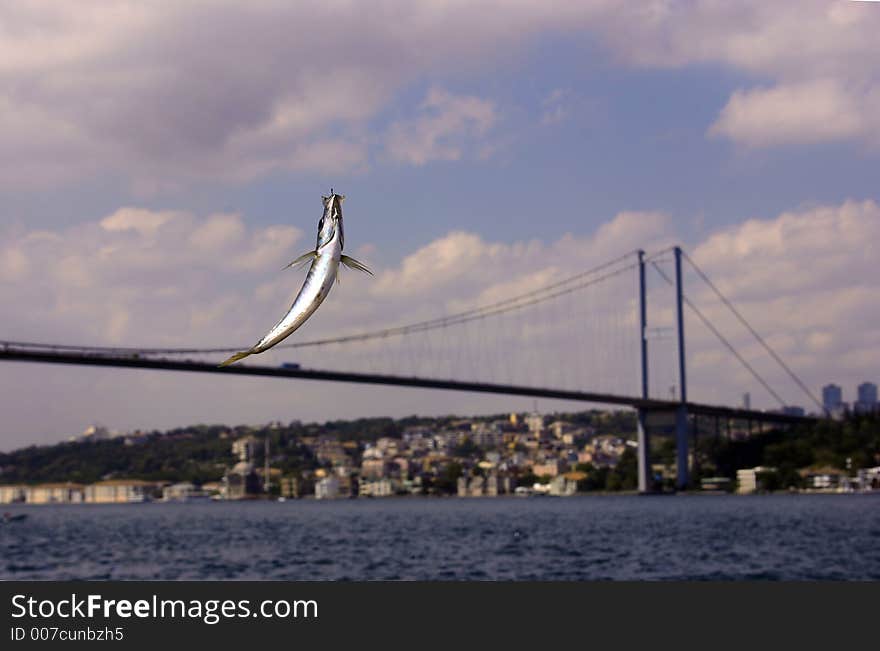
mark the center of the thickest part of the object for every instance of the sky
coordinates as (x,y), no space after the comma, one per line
(160,162)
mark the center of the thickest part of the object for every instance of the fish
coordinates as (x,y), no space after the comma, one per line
(323,273)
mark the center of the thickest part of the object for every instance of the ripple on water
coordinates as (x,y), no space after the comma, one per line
(785,537)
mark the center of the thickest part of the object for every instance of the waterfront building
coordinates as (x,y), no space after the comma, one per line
(121,491)
(376,488)
(495,484)
(241,481)
(749,479)
(565,485)
(327,488)
(184,492)
(715,484)
(476,486)
(11,493)
(58,493)
(212,488)
(825,478)
(289,487)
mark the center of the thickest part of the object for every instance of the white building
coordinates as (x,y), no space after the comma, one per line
(11,493)
(60,493)
(245,448)
(117,491)
(95,433)
(327,488)
(562,486)
(748,479)
(535,423)
(183,492)
(376,488)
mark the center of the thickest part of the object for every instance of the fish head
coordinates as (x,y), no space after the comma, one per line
(331,221)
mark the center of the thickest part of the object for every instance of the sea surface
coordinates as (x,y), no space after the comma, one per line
(773,537)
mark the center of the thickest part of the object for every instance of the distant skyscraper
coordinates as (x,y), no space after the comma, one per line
(832,397)
(867,401)
(747,401)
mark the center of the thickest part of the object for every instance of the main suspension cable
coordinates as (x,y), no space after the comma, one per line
(520,301)
(754,332)
(722,338)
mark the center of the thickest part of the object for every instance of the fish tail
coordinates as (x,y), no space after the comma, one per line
(236,357)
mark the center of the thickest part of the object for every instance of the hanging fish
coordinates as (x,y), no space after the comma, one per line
(323,272)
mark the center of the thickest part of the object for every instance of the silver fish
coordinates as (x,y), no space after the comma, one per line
(323,272)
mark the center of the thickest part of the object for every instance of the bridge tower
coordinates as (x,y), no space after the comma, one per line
(644,449)
(681,415)
(648,419)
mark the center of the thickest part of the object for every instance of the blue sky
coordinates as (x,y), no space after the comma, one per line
(722,127)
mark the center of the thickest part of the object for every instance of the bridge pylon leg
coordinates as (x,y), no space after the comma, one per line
(646,480)
(681,447)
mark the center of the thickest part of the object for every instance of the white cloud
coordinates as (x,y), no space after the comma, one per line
(809,112)
(465,257)
(134,275)
(217,233)
(145,222)
(443,130)
(821,57)
(807,281)
(137,89)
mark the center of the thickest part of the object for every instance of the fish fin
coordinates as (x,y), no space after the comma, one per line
(236,357)
(351,263)
(305,257)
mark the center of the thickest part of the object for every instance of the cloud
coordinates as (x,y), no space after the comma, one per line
(443,130)
(810,112)
(821,58)
(135,275)
(462,257)
(800,253)
(805,279)
(145,222)
(136,89)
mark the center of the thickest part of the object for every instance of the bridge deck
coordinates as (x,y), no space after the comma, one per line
(130,361)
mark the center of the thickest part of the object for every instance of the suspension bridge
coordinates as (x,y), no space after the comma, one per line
(614,335)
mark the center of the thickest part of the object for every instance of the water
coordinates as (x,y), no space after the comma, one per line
(595,537)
